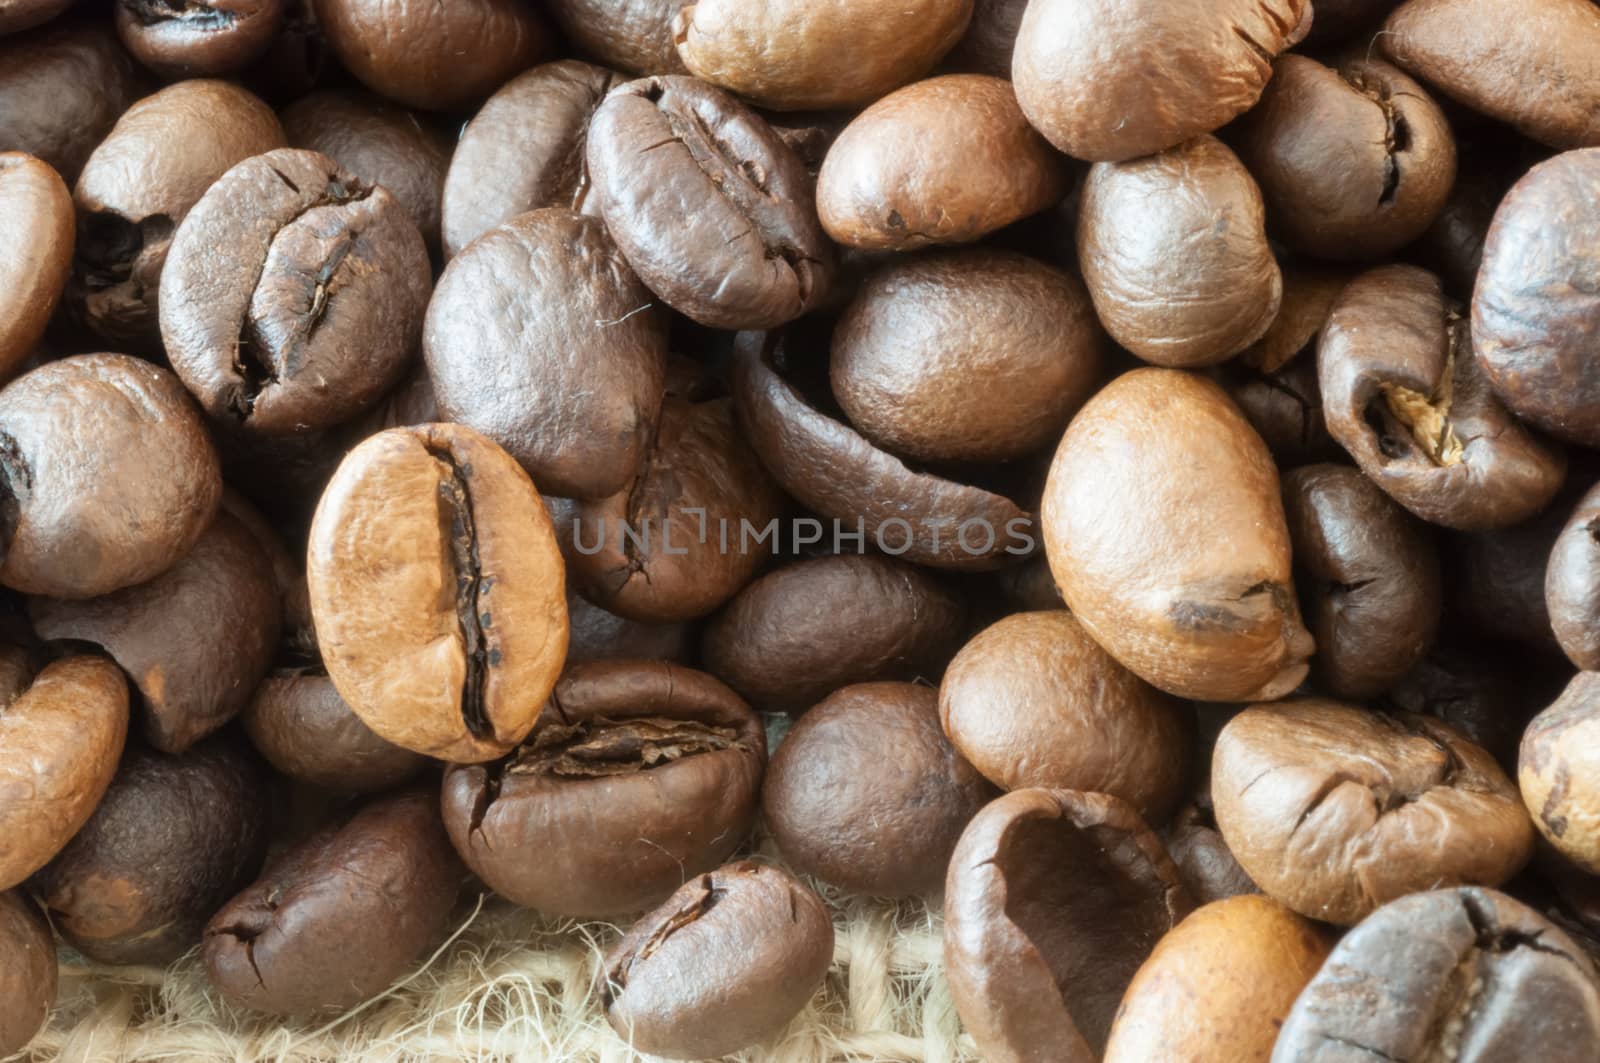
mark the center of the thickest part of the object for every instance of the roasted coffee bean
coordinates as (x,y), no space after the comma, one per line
(198,38)
(991,38)
(1535,72)
(438,592)
(1481,690)
(1198,307)
(1217,989)
(796,635)
(1033,701)
(1038,960)
(1029,587)
(1354,160)
(171,841)
(1368,576)
(296,61)
(380,144)
(631,35)
(108,476)
(639,774)
(36,224)
(1108,84)
(293,294)
(1335,810)
(18,15)
(61,733)
(676,543)
(195,641)
(340,916)
(1559,770)
(1205,863)
(944,161)
(138,186)
(966,356)
(723,964)
(1404,395)
(288,573)
(792,55)
(1463,973)
(1453,245)
(28,972)
(437,57)
(708,204)
(598,635)
(523,150)
(1339,20)
(866,793)
(1215,617)
(542,338)
(1285,409)
(1495,579)
(1572,584)
(1309,295)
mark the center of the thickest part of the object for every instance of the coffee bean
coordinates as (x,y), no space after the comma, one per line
(28,973)
(723,964)
(631,35)
(1309,295)
(598,635)
(1339,20)
(1572,584)
(1495,579)
(991,38)
(198,38)
(639,774)
(17,15)
(1285,409)
(36,226)
(1560,774)
(1453,245)
(450,645)
(1481,690)
(1205,863)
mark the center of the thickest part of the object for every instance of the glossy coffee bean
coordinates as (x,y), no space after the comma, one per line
(1469,973)
(340,916)
(198,38)
(866,793)
(1033,701)
(1217,989)
(943,161)
(723,964)
(1205,863)
(28,975)
(1335,810)
(1216,617)
(36,232)
(171,841)
(293,293)
(1572,584)
(109,476)
(639,774)
(1038,960)
(966,356)
(630,35)
(1559,771)
(542,338)
(438,592)
(1404,395)
(1107,84)
(61,735)
(1184,310)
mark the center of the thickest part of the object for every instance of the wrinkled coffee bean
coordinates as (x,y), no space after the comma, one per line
(639,774)
(1038,960)
(449,645)
(631,35)
(198,38)
(1559,771)
(173,838)
(293,293)
(1572,584)
(597,635)
(27,971)
(340,916)
(866,793)
(36,232)
(1205,863)
(723,964)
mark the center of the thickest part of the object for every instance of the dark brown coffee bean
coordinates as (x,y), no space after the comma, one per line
(1285,409)
(1559,772)
(991,38)
(966,356)
(1106,83)
(61,734)
(436,57)
(28,974)
(1038,960)
(1205,863)
(1453,245)
(1481,690)
(523,150)
(722,965)
(306,731)
(791,55)
(173,838)
(198,38)
(631,35)
(293,294)
(1404,395)
(36,224)
(542,338)
(18,15)
(1335,810)
(1196,308)
(1216,617)
(1309,295)
(296,61)
(1572,584)
(109,477)
(867,794)
(288,573)
(1463,973)
(340,916)
(796,635)
(438,592)
(639,774)
(1337,21)
(1495,580)
(1032,701)
(1368,576)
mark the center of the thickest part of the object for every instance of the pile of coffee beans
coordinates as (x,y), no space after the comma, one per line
(1124,471)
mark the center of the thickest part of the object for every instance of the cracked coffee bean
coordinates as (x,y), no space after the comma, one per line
(1336,810)
(724,963)
(293,294)
(1572,584)
(28,974)
(450,645)
(1559,771)
(36,233)
(340,916)
(198,38)
(1451,974)
(639,774)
